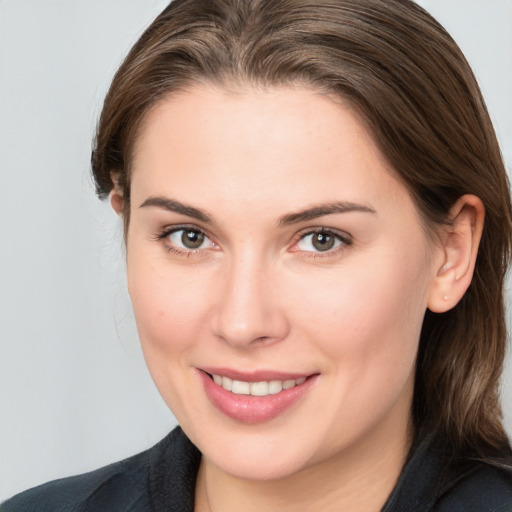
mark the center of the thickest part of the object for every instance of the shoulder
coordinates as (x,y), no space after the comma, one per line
(435,480)
(122,486)
(481,487)
(119,481)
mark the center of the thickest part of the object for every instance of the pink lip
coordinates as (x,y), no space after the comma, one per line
(256,376)
(254,409)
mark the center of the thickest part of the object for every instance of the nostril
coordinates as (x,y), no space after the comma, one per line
(262,339)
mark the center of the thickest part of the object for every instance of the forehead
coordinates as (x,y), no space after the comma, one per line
(258,116)
(259,145)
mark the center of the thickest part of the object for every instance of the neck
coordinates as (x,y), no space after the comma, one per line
(359,479)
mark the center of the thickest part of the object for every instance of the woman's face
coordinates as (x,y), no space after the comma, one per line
(269,243)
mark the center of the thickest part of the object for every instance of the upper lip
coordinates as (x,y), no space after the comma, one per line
(256,375)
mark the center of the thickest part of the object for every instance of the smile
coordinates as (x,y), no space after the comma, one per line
(263,388)
(256,397)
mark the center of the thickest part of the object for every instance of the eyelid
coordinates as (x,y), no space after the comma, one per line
(168,230)
(345,239)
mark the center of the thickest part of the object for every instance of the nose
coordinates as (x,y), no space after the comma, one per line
(248,310)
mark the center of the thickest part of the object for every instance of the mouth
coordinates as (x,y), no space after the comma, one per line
(262,388)
(254,398)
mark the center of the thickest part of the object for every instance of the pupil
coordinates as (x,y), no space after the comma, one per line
(192,239)
(323,241)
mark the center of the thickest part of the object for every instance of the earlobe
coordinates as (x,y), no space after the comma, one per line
(116,196)
(116,202)
(459,249)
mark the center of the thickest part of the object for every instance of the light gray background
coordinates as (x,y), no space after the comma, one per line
(75,393)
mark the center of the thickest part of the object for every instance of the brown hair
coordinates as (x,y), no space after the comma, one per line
(409,81)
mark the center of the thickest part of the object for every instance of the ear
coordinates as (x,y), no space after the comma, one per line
(458,252)
(116,195)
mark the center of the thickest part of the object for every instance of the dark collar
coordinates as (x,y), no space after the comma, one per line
(174,463)
(427,476)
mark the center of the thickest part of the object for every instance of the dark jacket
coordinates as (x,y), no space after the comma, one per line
(163,479)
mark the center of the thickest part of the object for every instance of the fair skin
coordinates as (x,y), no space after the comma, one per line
(336,293)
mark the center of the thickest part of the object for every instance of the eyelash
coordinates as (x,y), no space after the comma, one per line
(168,231)
(343,238)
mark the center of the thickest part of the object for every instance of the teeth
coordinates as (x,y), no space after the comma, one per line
(241,388)
(275,386)
(264,388)
(288,384)
(227,383)
(259,389)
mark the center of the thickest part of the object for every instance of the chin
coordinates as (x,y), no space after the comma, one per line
(252,453)
(276,466)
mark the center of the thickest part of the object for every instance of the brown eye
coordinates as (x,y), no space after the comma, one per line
(188,239)
(323,241)
(192,239)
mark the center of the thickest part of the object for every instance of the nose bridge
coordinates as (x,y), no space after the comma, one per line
(248,309)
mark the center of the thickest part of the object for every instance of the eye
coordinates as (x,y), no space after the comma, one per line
(186,239)
(321,241)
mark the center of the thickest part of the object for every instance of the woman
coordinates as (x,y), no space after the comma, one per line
(317,222)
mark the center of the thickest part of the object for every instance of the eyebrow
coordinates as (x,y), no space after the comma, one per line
(291,218)
(175,206)
(324,209)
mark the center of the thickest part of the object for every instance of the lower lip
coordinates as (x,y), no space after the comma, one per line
(254,409)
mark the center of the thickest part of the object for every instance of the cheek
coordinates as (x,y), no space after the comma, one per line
(170,314)
(366,326)
(169,306)
(366,318)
